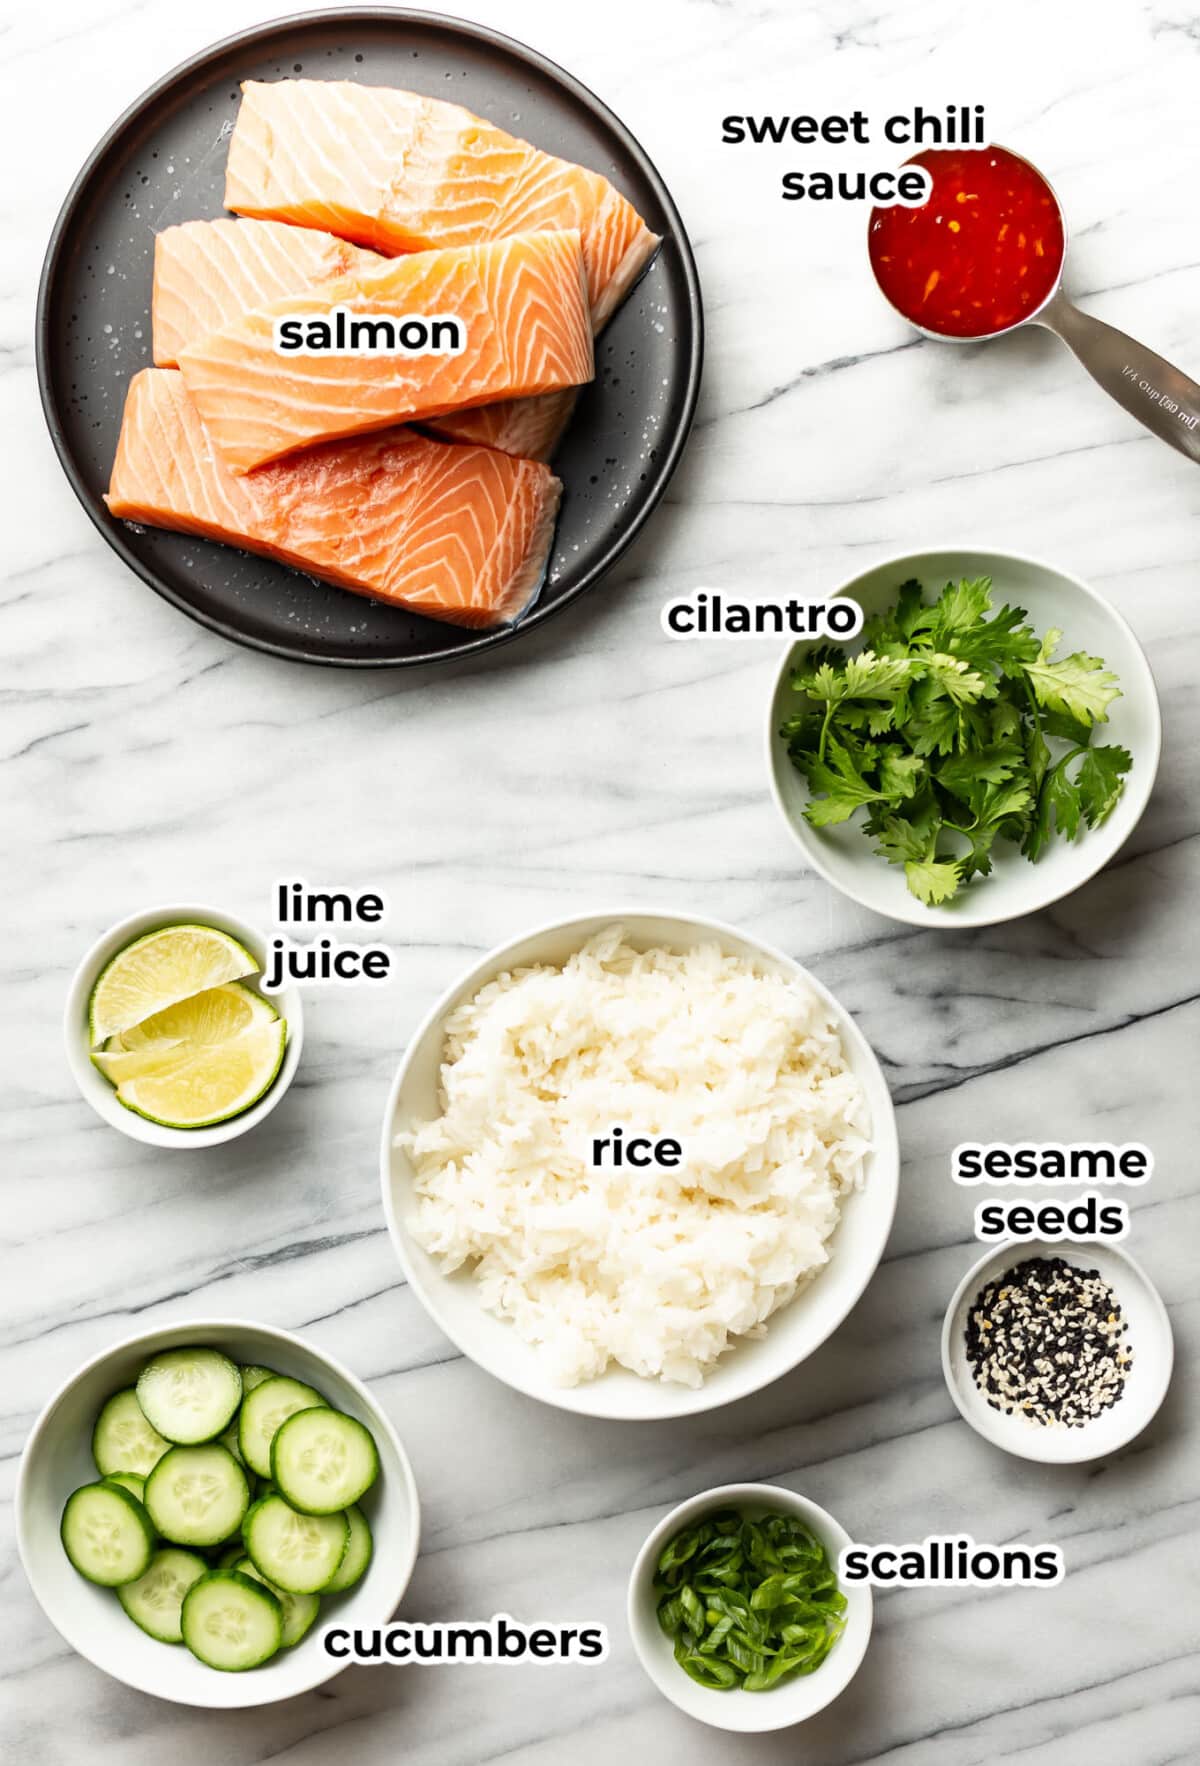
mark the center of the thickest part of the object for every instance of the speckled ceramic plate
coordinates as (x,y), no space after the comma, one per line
(164,161)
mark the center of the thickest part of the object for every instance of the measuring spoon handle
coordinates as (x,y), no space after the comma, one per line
(1165,399)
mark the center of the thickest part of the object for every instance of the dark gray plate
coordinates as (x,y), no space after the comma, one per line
(164,161)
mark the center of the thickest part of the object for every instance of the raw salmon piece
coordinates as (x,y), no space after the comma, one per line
(457,533)
(398,172)
(532,428)
(207,273)
(522,305)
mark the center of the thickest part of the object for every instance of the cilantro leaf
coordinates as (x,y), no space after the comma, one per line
(932,880)
(999,802)
(899,840)
(911,613)
(961,606)
(843,784)
(899,774)
(824,683)
(1101,781)
(955,730)
(1078,687)
(868,676)
(956,679)
(982,766)
(1059,805)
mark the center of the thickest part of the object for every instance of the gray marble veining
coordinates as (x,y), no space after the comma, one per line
(147,760)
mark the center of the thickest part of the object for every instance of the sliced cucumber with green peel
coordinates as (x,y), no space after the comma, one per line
(299,1610)
(358,1554)
(231,1439)
(128,1481)
(253,1376)
(155,1601)
(123,1440)
(322,1461)
(298,1553)
(264,1411)
(231,1622)
(107,1534)
(190,1395)
(197,1496)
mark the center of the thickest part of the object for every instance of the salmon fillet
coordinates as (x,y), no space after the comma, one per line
(457,533)
(532,428)
(207,273)
(397,172)
(521,306)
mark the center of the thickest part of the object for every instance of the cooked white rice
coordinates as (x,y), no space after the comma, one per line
(654,1269)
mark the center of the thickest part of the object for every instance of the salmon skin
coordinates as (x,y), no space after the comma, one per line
(521,307)
(397,172)
(207,273)
(456,533)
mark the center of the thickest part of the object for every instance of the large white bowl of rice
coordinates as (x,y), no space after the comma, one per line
(645,1290)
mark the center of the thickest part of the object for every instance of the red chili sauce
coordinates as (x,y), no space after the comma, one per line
(983,252)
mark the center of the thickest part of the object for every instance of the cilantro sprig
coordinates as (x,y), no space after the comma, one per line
(953,728)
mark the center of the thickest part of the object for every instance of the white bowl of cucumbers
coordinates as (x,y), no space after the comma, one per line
(169,1035)
(198,1503)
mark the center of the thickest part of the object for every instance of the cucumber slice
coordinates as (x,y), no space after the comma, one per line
(322,1461)
(268,1406)
(107,1534)
(231,1441)
(122,1440)
(358,1553)
(190,1395)
(197,1495)
(231,1622)
(155,1601)
(253,1376)
(128,1481)
(298,1553)
(299,1610)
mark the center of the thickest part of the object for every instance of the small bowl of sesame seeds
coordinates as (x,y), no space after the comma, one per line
(1057,1350)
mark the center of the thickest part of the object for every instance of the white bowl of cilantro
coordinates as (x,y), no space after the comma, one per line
(986,745)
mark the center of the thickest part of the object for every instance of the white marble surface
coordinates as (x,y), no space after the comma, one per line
(145,760)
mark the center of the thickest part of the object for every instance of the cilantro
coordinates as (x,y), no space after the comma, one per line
(933,881)
(953,728)
(1078,687)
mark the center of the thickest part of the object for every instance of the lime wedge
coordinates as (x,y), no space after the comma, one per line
(118,1064)
(201,1086)
(216,1015)
(160,969)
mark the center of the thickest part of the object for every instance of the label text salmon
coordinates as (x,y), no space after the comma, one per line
(343,332)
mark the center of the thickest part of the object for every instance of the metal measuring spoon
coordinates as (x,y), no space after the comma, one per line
(1159,395)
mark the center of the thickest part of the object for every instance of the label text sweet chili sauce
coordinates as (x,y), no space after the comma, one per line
(983,252)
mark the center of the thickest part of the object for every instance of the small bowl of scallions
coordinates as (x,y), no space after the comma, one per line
(737,1612)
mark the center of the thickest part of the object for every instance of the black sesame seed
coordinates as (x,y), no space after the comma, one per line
(1048,1339)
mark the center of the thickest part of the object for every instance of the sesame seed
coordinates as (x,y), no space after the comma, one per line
(1048,1339)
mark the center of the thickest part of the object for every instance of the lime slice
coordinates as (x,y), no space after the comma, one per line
(216,1015)
(118,1064)
(205,1085)
(160,969)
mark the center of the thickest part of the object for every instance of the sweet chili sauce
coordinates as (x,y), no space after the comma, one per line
(981,254)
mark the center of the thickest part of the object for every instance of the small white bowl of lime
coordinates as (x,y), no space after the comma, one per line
(168,1033)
